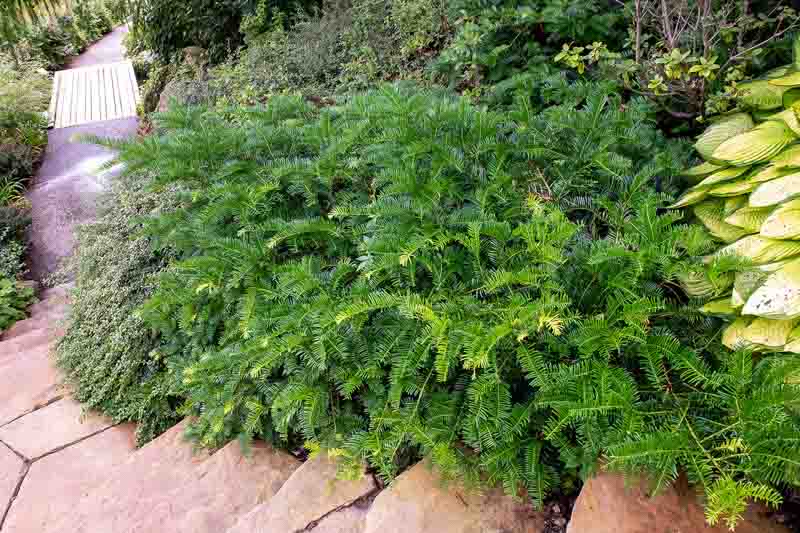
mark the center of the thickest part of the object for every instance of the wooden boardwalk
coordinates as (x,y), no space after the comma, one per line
(93,94)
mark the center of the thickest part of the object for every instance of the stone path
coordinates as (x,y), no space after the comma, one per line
(65,188)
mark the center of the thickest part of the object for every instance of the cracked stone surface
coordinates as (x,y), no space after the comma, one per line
(312,492)
(607,505)
(54,483)
(349,520)
(165,486)
(32,368)
(10,470)
(51,427)
(418,501)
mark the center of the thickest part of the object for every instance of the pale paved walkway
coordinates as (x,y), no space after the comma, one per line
(48,447)
(66,186)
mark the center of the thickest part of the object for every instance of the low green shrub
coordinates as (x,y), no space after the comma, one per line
(403,274)
(24,96)
(107,351)
(14,299)
(14,223)
(342,49)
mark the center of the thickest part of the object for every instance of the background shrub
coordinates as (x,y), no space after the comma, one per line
(14,223)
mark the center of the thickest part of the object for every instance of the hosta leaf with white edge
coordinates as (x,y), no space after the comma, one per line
(778,297)
(702,169)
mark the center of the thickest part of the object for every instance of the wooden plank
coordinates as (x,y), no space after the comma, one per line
(108,95)
(134,84)
(97,101)
(64,114)
(128,106)
(118,96)
(63,89)
(79,98)
(51,110)
(131,100)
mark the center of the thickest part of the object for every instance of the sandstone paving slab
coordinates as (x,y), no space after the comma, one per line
(11,467)
(40,322)
(418,501)
(11,348)
(27,382)
(312,492)
(167,486)
(55,483)
(51,427)
(348,520)
(607,504)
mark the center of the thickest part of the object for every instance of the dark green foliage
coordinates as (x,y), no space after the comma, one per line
(346,47)
(498,39)
(393,277)
(210,24)
(107,352)
(14,223)
(14,299)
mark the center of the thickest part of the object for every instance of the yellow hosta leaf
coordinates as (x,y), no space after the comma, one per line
(722,176)
(788,158)
(720,131)
(734,203)
(733,336)
(759,250)
(711,215)
(779,296)
(690,198)
(702,169)
(762,94)
(768,333)
(789,80)
(776,191)
(749,280)
(720,306)
(760,144)
(735,188)
(770,173)
(790,118)
(749,218)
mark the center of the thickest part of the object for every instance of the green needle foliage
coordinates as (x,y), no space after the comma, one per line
(404,274)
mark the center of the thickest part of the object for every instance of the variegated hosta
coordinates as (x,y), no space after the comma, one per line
(748,196)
